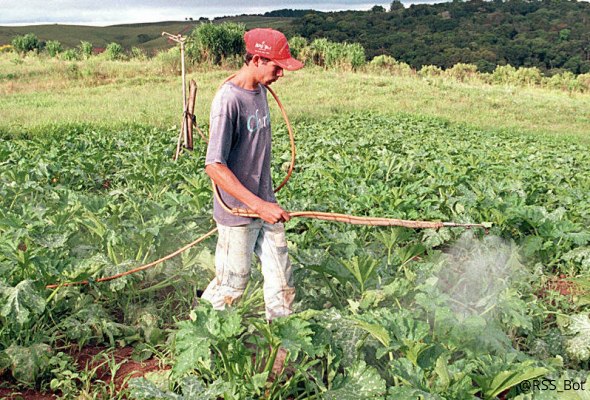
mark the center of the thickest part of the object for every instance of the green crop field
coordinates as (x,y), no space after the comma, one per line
(88,189)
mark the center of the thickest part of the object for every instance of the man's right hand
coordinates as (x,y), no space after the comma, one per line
(271,212)
(225,178)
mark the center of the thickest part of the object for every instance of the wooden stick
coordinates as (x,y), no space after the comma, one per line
(179,142)
(189,115)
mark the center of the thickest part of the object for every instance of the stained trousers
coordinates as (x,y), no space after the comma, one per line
(233,262)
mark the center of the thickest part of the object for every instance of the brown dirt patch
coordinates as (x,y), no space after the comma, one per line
(560,285)
(127,367)
(11,394)
(89,357)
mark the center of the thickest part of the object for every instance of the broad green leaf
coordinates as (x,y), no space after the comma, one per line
(409,373)
(142,389)
(578,346)
(579,255)
(442,371)
(375,330)
(231,324)
(433,238)
(500,374)
(192,348)
(296,336)
(193,388)
(428,356)
(507,379)
(531,245)
(332,268)
(53,241)
(407,253)
(358,382)
(21,301)
(28,363)
(259,380)
(414,350)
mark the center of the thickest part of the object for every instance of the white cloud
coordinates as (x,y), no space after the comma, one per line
(108,12)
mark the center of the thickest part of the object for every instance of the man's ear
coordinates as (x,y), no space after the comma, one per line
(255,59)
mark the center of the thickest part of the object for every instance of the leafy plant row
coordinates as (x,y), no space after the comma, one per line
(381,312)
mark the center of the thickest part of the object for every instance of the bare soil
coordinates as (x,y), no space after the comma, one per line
(87,358)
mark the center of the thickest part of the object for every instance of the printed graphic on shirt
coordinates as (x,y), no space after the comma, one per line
(256,121)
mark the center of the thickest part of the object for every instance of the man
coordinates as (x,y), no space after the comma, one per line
(238,161)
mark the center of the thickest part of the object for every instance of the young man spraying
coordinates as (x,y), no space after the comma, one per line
(238,161)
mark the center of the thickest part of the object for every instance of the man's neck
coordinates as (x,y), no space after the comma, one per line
(245,79)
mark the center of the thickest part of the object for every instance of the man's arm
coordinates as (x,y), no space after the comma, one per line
(226,180)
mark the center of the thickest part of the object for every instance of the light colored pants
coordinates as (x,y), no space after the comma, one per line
(233,261)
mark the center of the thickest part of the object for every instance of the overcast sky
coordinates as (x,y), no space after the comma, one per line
(109,12)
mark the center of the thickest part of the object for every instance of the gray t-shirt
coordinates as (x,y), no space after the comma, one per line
(241,139)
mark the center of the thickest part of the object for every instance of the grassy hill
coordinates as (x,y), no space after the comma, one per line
(56,91)
(147,36)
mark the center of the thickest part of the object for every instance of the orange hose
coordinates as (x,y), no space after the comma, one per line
(134,270)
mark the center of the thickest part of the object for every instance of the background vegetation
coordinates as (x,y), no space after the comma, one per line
(553,36)
(549,35)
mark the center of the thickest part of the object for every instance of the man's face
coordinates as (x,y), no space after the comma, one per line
(269,71)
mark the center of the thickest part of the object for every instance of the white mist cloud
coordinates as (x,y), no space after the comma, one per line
(476,272)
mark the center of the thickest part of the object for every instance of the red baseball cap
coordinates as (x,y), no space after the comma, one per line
(271,44)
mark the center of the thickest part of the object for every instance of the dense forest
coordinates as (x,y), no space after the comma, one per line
(552,35)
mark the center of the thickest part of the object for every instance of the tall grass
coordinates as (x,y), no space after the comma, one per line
(332,55)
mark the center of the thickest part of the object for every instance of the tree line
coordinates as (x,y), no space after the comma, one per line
(552,35)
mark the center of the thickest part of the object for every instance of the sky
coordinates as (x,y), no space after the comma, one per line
(111,12)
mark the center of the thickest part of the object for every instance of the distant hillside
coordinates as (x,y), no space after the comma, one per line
(553,35)
(147,36)
(548,34)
